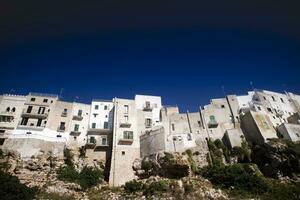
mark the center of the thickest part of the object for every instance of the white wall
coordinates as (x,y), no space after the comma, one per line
(101,114)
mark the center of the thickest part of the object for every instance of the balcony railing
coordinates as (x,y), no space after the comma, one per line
(75,133)
(126,141)
(61,129)
(9,114)
(125,125)
(98,131)
(38,128)
(212,124)
(77,117)
(7,125)
(34,114)
(64,114)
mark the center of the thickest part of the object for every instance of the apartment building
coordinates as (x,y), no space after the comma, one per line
(99,133)
(11,107)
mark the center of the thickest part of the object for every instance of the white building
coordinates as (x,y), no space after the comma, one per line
(11,107)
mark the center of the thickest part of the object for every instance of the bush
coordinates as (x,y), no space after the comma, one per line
(192,162)
(11,188)
(68,157)
(241,176)
(146,165)
(82,152)
(157,187)
(133,186)
(67,173)
(89,177)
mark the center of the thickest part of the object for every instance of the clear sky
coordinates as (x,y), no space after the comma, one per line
(184,51)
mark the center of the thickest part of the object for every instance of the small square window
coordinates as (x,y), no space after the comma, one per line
(45,100)
(32,99)
(222,106)
(123,153)
(96,107)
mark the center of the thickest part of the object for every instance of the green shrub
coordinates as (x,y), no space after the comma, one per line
(67,173)
(133,186)
(68,157)
(11,188)
(157,187)
(89,177)
(192,162)
(82,152)
(241,176)
(146,165)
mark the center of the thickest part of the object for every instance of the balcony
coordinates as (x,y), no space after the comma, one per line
(37,128)
(91,142)
(98,131)
(125,125)
(125,141)
(213,124)
(64,114)
(61,129)
(7,114)
(7,125)
(100,143)
(75,133)
(77,117)
(147,107)
(34,114)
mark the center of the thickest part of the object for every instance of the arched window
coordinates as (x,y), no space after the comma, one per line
(7,109)
(13,109)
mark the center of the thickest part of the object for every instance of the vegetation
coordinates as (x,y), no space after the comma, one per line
(133,186)
(157,187)
(86,178)
(82,152)
(192,162)
(89,177)
(11,188)
(147,165)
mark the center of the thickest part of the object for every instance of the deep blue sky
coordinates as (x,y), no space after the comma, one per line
(181,50)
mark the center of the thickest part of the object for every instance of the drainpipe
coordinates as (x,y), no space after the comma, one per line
(188,118)
(204,122)
(233,120)
(114,139)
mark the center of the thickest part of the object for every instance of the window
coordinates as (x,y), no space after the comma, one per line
(270,110)
(45,100)
(96,107)
(29,109)
(189,137)
(148,122)
(147,104)
(93,125)
(13,109)
(62,126)
(273,98)
(104,141)
(212,118)
(76,127)
(32,99)
(106,116)
(123,153)
(222,106)
(282,100)
(79,113)
(39,122)
(24,121)
(258,107)
(51,101)
(105,125)
(126,118)
(128,135)
(126,108)
(7,109)
(173,127)
(105,107)
(92,140)
(65,110)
